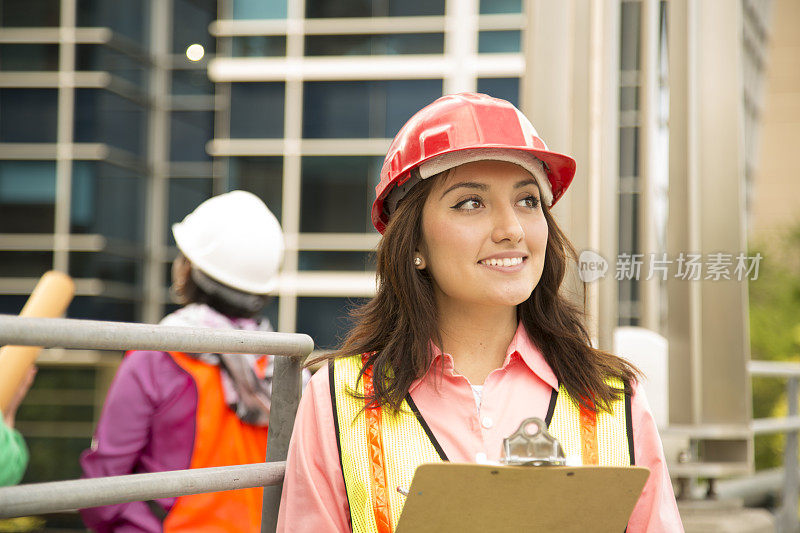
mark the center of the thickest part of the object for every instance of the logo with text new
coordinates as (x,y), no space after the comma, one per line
(591,266)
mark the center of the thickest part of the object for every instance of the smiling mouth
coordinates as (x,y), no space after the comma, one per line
(505,262)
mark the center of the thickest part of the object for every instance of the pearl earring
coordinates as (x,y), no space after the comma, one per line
(417,261)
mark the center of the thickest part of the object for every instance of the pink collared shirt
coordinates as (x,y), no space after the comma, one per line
(314,497)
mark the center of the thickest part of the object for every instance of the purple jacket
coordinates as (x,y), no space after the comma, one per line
(147,425)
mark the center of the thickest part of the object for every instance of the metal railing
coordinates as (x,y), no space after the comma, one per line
(37,498)
(790,424)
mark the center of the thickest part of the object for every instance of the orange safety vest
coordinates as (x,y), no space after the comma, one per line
(220,439)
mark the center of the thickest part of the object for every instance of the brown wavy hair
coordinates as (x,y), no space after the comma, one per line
(396,326)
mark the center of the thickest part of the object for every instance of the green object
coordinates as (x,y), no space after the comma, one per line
(13,455)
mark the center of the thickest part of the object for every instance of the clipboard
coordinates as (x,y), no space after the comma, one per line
(471,498)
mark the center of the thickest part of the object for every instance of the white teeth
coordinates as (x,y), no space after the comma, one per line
(505,262)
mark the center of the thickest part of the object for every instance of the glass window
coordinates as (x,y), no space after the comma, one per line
(104,266)
(12,304)
(191,82)
(628,98)
(337,260)
(257,110)
(362,109)
(29,13)
(505,88)
(337,193)
(99,308)
(499,42)
(629,151)
(389,44)
(259,9)
(262,176)
(189,133)
(373,8)
(27,196)
(129,18)
(629,36)
(94,57)
(107,200)
(53,457)
(488,7)
(105,117)
(259,46)
(31,57)
(28,264)
(190,20)
(184,195)
(326,320)
(28,115)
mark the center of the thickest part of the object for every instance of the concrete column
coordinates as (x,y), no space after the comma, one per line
(707,319)
(570,93)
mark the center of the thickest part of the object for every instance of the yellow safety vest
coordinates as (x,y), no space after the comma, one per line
(380,450)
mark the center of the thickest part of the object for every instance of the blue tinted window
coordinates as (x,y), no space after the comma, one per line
(29,13)
(259,9)
(28,115)
(505,88)
(326,320)
(190,20)
(498,42)
(336,260)
(27,264)
(194,81)
(185,194)
(363,109)
(30,57)
(128,18)
(262,176)
(500,6)
(389,44)
(105,117)
(259,45)
(107,200)
(27,182)
(373,8)
(27,196)
(98,308)
(332,182)
(189,133)
(105,266)
(97,57)
(257,110)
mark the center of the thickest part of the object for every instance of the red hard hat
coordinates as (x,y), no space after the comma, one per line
(460,128)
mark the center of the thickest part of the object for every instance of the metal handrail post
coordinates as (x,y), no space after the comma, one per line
(286,389)
(788,523)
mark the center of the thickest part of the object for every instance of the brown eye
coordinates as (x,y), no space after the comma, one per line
(469,204)
(530,202)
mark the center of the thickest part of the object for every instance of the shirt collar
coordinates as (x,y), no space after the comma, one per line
(521,346)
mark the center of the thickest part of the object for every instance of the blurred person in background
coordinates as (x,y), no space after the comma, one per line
(14,454)
(173,411)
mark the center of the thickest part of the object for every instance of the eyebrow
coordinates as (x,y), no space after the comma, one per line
(483,187)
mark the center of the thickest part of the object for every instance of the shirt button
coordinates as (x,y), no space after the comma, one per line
(487,422)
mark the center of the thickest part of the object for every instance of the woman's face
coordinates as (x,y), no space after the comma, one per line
(484,235)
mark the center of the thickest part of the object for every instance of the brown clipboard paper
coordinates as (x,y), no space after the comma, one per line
(467,498)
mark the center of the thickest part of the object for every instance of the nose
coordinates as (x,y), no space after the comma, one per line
(507,226)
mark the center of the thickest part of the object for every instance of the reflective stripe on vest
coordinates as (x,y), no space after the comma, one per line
(380,451)
(376,462)
(220,439)
(602,438)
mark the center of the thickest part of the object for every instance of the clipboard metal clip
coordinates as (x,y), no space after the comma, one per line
(538,448)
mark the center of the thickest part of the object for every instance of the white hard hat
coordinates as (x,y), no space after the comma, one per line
(235,239)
